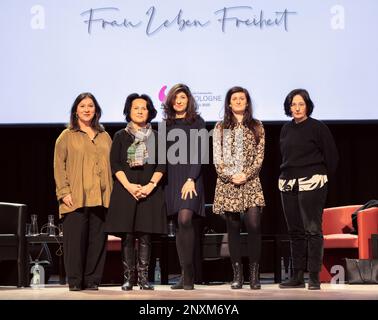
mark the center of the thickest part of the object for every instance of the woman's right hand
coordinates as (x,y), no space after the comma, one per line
(68,200)
(188,188)
(135,190)
(239,179)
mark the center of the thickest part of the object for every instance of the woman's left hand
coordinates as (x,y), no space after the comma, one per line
(189,187)
(146,190)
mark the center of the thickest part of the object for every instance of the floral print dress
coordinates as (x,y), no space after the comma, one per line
(236,151)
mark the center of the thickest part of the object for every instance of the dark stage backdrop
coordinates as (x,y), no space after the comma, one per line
(26,164)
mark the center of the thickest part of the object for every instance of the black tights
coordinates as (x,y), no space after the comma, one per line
(185,237)
(252,222)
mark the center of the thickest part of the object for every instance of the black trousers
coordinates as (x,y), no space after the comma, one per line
(303,213)
(84,245)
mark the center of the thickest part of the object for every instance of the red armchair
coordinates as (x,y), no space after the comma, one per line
(339,243)
(113,243)
(113,269)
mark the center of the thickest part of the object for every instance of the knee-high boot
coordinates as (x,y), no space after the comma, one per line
(128,262)
(143,263)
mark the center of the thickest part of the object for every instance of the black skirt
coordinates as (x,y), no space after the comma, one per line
(177,176)
(125,214)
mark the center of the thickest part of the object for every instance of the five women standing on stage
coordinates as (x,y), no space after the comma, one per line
(137,207)
(239,142)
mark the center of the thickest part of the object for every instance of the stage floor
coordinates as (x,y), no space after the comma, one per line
(201,292)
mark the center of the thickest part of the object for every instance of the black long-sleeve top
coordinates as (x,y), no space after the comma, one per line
(307,148)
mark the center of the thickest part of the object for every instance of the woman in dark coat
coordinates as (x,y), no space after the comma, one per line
(184,191)
(137,207)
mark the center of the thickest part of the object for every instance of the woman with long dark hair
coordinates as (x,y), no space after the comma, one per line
(184,191)
(83,186)
(239,142)
(309,156)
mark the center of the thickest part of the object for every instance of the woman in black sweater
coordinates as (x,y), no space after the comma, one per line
(309,156)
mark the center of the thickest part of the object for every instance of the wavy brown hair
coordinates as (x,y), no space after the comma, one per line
(95,123)
(229,120)
(191,110)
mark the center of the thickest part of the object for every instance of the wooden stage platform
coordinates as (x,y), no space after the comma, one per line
(201,292)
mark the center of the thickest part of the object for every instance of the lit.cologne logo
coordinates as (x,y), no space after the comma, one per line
(162,95)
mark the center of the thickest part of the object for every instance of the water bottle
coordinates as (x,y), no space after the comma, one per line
(283,269)
(171,229)
(38,278)
(157,276)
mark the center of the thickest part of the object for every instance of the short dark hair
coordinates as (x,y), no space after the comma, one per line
(169,111)
(95,123)
(306,97)
(150,106)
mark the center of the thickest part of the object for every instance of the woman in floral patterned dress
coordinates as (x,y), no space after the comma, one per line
(239,142)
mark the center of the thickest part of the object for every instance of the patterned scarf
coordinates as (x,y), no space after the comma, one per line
(137,154)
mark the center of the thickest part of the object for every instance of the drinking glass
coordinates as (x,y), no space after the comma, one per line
(34,225)
(28,229)
(50,225)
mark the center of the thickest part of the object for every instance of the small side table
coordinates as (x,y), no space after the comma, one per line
(44,240)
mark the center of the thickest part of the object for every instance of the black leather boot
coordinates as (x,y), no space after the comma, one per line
(128,262)
(143,263)
(314,282)
(296,281)
(237,283)
(188,282)
(180,283)
(254,276)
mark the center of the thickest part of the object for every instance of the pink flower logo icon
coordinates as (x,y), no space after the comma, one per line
(162,95)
